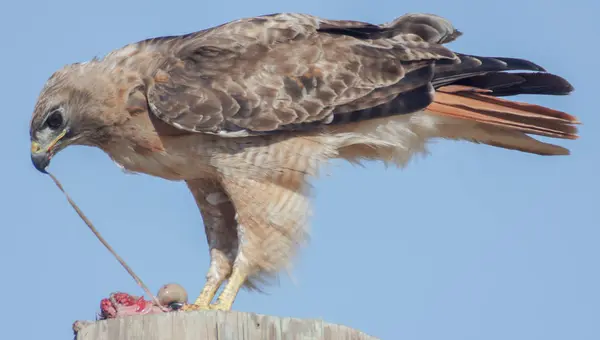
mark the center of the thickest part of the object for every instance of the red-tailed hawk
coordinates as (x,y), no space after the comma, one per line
(246,112)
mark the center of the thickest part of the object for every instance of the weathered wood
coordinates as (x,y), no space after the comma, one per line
(216,325)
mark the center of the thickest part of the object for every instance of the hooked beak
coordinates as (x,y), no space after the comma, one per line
(41,155)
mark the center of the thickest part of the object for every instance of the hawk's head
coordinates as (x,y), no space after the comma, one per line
(75,106)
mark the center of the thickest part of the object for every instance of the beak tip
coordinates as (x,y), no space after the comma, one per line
(40,161)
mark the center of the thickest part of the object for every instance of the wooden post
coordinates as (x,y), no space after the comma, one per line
(215,325)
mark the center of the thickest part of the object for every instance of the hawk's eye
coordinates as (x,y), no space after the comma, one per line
(55,120)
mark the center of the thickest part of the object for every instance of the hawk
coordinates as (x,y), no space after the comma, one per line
(246,113)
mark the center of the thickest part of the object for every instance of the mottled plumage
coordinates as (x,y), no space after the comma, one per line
(248,111)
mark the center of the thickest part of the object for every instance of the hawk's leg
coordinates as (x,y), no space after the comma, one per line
(241,270)
(243,266)
(218,216)
(269,218)
(234,284)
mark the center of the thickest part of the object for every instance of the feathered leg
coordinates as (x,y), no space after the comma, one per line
(270,225)
(219,220)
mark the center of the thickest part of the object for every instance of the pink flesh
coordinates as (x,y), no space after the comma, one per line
(122,304)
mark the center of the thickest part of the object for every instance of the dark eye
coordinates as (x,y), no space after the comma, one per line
(55,120)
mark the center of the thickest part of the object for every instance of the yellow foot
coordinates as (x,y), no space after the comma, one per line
(206,296)
(192,307)
(220,306)
(217,306)
(225,300)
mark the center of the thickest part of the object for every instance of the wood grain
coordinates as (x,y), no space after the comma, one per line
(216,325)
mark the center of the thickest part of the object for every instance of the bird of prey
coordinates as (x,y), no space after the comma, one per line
(247,112)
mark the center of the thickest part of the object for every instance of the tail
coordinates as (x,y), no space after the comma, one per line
(469,91)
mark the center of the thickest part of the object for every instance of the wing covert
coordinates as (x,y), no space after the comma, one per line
(292,71)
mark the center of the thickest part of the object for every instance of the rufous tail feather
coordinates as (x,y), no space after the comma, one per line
(501,122)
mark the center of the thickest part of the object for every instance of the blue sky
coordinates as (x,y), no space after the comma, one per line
(472,242)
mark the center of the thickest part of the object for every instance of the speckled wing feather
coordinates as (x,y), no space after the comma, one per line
(287,72)
(293,71)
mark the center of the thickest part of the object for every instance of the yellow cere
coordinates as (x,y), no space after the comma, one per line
(35,147)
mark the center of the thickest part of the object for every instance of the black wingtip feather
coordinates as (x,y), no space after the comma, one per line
(471,66)
(521,64)
(503,63)
(510,84)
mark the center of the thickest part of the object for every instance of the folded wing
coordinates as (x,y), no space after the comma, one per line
(287,72)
